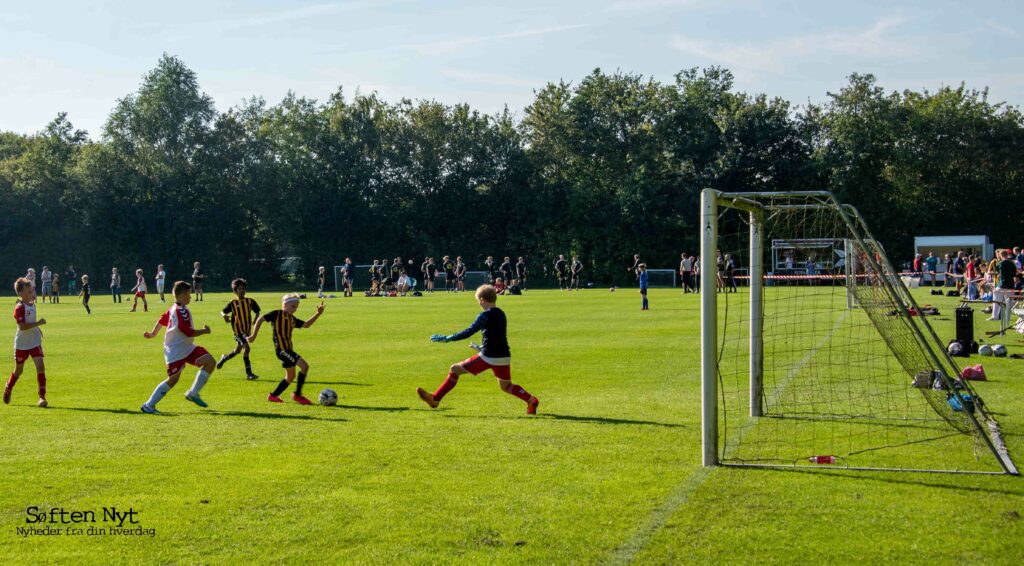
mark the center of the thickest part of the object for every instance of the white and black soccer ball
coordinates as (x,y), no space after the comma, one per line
(328,398)
(999,351)
(985,350)
(955,349)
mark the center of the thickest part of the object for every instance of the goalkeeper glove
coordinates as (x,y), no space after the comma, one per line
(440,338)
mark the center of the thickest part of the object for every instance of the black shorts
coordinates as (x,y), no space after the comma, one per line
(288,358)
(461,278)
(242,340)
(347,281)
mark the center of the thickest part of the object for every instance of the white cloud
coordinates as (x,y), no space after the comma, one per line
(453,45)
(773,56)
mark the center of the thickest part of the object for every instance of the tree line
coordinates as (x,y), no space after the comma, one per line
(604,167)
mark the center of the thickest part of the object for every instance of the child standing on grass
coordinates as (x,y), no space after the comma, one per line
(161,276)
(321,282)
(28,340)
(642,277)
(239,314)
(140,291)
(84,293)
(494,355)
(283,321)
(55,291)
(115,285)
(179,349)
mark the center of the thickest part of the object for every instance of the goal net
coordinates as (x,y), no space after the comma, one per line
(662,277)
(792,376)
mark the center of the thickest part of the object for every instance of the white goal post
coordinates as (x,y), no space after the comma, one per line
(866,389)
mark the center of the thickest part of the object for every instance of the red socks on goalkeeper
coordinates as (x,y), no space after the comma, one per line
(518,391)
(448,385)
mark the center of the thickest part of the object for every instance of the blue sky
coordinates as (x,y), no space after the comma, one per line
(80,57)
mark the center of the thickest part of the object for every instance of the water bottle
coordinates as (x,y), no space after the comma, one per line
(822,459)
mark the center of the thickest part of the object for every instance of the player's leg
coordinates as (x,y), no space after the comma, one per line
(206,365)
(40,377)
(173,373)
(238,348)
(19,365)
(145,305)
(301,381)
(288,361)
(447,385)
(245,359)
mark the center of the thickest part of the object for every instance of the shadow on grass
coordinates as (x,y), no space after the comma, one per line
(250,414)
(575,418)
(899,478)
(95,410)
(380,409)
(349,383)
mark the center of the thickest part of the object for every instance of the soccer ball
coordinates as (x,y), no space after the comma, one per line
(328,398)
(999,351)
(612,289)
(985,350)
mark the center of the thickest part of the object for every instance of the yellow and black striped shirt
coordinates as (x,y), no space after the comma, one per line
(283,324)
(243,312)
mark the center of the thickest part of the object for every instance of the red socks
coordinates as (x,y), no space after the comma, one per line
(447,386)
(41,377)
(518,391)
(12,380)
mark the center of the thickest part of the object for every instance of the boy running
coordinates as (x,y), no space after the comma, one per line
(28,340)
(85,293)
(239,314)
(179,349)
(140,292)
(283,322)
(493,355)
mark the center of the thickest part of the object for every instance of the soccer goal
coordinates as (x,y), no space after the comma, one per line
(662,277)
(793,377)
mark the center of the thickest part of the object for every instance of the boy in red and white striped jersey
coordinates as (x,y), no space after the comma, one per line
(28,340)
(140,291)
(179,349)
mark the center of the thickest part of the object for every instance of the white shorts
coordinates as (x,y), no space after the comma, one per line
(159,286)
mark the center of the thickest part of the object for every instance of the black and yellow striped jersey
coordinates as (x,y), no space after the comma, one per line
(242,314)
(283,324)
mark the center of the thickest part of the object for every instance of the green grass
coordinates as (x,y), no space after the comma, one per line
(608,472)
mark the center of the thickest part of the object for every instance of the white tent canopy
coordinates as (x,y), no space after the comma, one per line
(941,245)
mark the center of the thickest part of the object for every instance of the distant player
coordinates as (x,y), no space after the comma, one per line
(562,273)
(449,273)
(46,282)
(347,274)
(161,277)
(85,293)
(28,340)
(374,278)
(115,285)
(686,273)
(521,272)
(140,291)
(197,281)
(642,271)
(460,274)
(55,291)
(494,355)
(396,272)
(283,322)
(240,313)
(382,269)
(489,268)
(636,266)
(321,282)
(431,274)
(179,349)
(506,269)
(575,270)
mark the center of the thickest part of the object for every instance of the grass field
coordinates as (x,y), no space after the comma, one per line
(608,472)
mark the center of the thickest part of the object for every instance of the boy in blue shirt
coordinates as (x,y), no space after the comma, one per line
(493,355)
(642,276)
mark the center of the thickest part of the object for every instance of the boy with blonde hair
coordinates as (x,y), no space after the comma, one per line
(493,355)
(283,322)
(140,291)
(179,349)
(28,340)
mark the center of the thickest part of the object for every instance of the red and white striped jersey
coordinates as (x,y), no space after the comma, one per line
(179,334)
(31,338)
(140,284)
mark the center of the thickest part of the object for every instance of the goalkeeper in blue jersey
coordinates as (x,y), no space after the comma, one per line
(493,355)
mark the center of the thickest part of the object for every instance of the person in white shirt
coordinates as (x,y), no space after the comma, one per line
(161,276)
(46,278)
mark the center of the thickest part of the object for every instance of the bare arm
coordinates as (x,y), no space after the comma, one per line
(255,330)
(312,319)
(31,325)
(154,332)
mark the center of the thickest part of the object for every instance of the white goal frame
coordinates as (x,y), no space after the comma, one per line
(748,202)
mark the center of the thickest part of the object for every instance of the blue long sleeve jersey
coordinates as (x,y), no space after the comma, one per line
(643,279)
(493,324)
